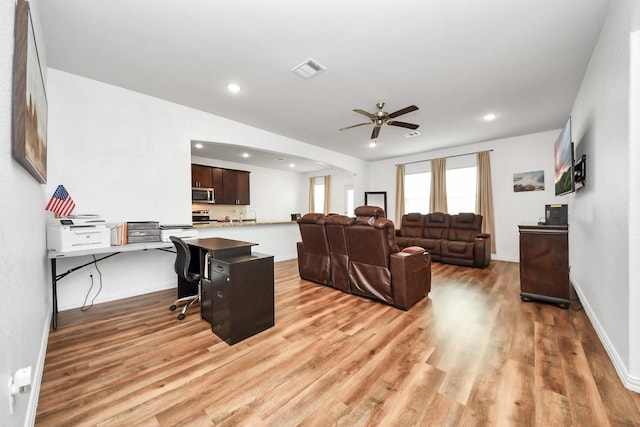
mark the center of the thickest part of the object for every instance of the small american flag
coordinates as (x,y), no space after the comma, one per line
(61,202)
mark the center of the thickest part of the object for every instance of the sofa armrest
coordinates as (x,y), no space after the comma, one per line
(410,276)
(482,250)
(414,250)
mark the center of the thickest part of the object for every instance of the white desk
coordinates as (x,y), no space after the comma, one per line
(109,252)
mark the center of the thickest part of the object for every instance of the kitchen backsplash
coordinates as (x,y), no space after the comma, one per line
(219,212)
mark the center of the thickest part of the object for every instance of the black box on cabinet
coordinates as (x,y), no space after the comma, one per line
(556,215)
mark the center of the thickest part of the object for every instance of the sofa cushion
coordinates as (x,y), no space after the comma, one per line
(411,225)
(466,217)
(436,225)
(374,211)
(431,245)
(456,249)
(465,227)
(437,217)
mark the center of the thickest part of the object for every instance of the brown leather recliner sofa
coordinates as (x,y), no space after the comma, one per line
(313,255)
(364,259)
(451,239)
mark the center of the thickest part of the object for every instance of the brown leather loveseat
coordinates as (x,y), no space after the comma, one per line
(363,258)
(451,239)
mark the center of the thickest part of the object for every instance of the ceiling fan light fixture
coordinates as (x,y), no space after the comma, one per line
(411,134)
(308,68)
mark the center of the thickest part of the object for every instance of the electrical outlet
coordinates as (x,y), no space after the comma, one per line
(20,383)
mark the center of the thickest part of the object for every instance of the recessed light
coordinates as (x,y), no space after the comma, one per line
(489,117)
(372,144)
(234,88)
(291,165)
(198,145)
(411,134)
(245,155)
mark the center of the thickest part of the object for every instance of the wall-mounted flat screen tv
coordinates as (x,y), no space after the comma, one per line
(563,156)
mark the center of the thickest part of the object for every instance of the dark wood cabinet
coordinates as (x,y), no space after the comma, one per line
(238,296)
(231,187)
(544,264)
(201,176)
(235,187)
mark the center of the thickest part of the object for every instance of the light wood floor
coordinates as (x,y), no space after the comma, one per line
(472,354)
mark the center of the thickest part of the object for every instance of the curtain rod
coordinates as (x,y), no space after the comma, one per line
(446,157)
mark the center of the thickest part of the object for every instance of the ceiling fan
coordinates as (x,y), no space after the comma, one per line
(381,117)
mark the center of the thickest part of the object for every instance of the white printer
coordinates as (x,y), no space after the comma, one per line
(181,231)
(77,232)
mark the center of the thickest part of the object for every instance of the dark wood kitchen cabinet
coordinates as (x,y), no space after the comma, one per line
(235,188)
(544,264)
(201,176)
(231,187)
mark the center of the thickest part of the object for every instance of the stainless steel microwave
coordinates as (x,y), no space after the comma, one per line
(202,195)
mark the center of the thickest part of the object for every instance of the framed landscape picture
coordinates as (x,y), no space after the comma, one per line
(528,181)
(29,99)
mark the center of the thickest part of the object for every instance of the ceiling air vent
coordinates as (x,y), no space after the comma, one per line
(308,68)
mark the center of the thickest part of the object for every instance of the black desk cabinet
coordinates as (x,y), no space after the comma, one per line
(238,296)
(544,264)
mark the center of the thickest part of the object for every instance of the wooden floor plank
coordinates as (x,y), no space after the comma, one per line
(472,354)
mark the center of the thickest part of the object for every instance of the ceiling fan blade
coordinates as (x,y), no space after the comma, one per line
(365,113)
(405,110)
(354,126)
(376,131)
(403,124)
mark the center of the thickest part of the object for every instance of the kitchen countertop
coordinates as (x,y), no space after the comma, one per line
(238,223)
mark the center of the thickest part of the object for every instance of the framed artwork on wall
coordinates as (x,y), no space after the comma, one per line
(29,145)
(528,181)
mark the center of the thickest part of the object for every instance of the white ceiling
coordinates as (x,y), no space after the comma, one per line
(456,60)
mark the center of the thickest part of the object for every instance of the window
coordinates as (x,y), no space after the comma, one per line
(349,200)
(461,190)
(318,194)
(417,190)
(461,185)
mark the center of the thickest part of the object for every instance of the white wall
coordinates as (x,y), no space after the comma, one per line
(525,153)
(634,203)
(600,235)
(24,287)
(126,156)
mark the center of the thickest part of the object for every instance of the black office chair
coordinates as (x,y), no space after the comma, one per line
(181,266)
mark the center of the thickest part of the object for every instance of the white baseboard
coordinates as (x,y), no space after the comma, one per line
(494,257)
(630,382)
(30,418)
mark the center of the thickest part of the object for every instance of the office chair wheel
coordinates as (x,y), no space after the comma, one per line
(173,307)
(180,316)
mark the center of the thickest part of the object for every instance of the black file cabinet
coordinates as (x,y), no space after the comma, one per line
(238,296)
